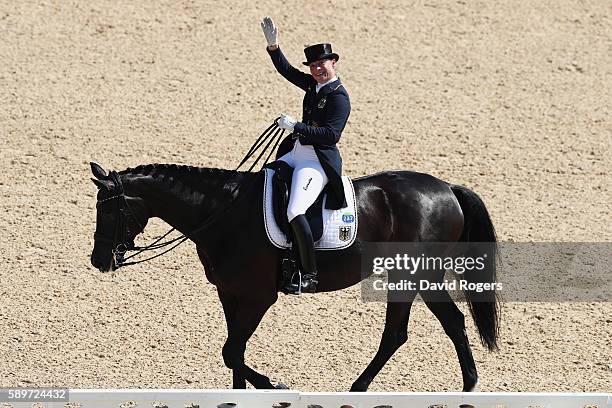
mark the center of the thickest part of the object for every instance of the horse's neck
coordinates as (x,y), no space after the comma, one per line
(184,199)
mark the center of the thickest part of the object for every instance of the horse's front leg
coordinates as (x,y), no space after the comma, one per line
(229,307)
(238,381)
(243,315)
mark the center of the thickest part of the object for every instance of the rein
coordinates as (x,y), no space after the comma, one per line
(273,134)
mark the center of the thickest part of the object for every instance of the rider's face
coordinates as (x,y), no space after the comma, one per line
(323,70)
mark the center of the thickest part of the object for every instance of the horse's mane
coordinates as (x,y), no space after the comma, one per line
(162,169)
(192,178)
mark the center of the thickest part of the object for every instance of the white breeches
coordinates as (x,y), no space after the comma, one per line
(308,179)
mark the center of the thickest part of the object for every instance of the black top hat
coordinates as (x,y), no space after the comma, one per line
(319,52)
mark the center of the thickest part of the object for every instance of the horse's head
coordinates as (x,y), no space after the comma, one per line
(119,218)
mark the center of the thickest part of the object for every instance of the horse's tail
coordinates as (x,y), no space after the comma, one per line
(478,227)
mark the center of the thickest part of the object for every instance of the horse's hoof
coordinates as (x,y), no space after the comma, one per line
(358,387)
(471,387)
(280,386)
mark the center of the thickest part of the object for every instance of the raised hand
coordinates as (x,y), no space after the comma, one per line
(270,31)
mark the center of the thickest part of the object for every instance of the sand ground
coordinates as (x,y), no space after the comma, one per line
(510,98)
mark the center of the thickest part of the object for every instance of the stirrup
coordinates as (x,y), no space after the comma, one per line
(292,288)
(299,285)
(296,288)
(313,282)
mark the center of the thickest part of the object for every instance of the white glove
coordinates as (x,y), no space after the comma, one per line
(286,122)
(270,31)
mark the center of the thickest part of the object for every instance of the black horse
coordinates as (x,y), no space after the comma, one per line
(240,261)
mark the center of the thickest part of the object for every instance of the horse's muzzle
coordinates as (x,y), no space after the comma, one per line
(102,266)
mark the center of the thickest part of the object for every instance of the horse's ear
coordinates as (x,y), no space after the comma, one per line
(98,171)
(103,184)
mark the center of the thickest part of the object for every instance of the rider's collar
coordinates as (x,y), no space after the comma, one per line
(319,86)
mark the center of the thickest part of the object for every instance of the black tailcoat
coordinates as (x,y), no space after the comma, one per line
(323,119)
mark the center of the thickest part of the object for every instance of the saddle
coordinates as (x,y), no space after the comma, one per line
(281,189)
(332,229)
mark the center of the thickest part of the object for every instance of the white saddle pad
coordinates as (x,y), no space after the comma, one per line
(339,226)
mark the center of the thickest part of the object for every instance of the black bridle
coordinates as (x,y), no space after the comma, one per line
(121,242)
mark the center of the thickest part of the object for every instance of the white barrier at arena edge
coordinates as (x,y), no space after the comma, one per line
(191,398)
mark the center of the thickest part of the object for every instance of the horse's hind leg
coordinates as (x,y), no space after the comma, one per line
(394,335)
(453,322)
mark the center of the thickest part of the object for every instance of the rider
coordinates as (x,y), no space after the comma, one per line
(311,147)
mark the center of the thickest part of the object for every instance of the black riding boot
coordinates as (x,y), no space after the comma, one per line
(302,237)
